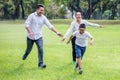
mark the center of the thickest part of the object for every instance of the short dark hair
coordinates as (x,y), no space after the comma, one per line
(82,26)
(39,5)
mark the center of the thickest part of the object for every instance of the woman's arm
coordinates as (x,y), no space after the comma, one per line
(69,39)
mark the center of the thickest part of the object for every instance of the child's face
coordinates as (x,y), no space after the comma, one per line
(81,30)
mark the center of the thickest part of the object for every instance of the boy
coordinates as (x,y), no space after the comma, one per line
(80,44)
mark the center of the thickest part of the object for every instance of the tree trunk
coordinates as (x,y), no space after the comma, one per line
(17,12)
(23,14)
(91,8)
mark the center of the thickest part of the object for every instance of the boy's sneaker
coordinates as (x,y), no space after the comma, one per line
(76,67)
(42,66)
(80,71)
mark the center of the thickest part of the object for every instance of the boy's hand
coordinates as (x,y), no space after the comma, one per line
(91,42)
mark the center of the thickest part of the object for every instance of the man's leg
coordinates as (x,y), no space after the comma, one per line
(73,49)
(28,49)
(39,44)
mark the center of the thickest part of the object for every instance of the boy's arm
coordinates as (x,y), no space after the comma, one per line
(69,39)
(91,41)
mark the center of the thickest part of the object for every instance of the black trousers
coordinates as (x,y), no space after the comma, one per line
(73,48)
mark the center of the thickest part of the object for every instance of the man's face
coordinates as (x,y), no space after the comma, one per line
(78,16)
(40,11)
(81,30)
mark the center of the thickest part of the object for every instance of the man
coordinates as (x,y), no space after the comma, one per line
(74,27)
(34,25)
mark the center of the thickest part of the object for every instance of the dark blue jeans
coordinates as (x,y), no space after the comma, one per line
(39,43)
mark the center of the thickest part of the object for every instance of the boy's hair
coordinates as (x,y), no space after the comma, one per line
(39,5)
(82,26)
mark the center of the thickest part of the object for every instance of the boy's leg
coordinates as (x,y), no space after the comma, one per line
(29,48)
(79,61)
(73,49)
(83,49)
(78,56)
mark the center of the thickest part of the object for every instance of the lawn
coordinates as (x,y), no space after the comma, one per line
(101,61)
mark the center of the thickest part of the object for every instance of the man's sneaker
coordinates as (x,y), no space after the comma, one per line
(24,57)
(76,67)
(42,66)
(80,71)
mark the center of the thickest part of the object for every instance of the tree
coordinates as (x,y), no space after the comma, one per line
(91,8)
(22,7)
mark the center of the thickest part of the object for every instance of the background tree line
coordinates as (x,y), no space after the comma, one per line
(90,9)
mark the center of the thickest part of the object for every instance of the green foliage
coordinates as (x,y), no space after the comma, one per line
(15,9)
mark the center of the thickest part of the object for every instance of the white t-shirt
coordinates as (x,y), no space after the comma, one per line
(81,39)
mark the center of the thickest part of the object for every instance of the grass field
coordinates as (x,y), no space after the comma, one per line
(101,61)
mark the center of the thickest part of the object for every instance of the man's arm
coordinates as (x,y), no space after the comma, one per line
(50,26)
(55,31)
(30,31)
(27,25)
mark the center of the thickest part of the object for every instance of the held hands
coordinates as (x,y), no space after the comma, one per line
(59,34)
(63,40)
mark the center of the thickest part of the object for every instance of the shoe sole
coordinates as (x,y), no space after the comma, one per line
(80,72)
(43,67)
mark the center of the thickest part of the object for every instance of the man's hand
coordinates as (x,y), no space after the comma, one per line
(59,34)
(31,34)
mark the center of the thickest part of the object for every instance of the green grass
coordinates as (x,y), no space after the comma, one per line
(101,61)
